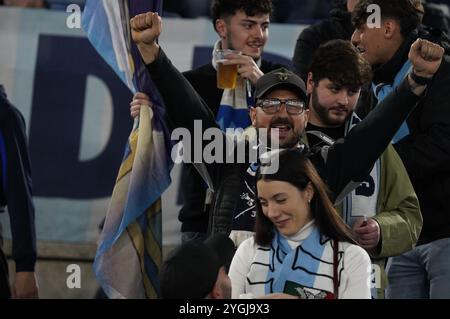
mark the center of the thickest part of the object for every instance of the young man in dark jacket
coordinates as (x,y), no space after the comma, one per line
(16,195)
(282,124)
(423,143)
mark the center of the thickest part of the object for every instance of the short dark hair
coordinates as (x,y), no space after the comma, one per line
(222,9)
(340,62)
(296,169)
(408,13)
(190,271)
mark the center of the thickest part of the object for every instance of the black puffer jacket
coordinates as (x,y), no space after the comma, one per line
(192,191)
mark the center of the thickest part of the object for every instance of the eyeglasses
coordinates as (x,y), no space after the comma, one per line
(272,106)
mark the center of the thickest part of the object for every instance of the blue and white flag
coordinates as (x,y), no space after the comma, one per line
(129,252)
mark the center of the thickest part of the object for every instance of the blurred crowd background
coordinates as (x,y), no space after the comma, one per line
(286,11)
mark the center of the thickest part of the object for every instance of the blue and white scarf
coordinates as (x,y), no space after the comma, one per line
(233,109)
(383,89)
(363,200)
(305,271)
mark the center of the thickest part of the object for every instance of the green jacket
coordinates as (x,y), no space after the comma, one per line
(398,214)
(398,211)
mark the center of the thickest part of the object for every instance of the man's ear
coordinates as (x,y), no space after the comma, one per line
(252,113)
(390,28)
(307,114)
(221,28)
(310,83)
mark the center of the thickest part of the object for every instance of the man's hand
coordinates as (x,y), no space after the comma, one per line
(145,29)
(247,68)
(426,57)
(367,233)
(139,100)
(25,286)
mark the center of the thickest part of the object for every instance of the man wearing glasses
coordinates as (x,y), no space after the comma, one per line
(343,166)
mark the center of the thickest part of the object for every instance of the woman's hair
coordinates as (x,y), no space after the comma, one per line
(294,167)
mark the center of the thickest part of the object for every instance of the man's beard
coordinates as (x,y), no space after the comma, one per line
(293,140)
(231,47)
(324,113)
(229,42)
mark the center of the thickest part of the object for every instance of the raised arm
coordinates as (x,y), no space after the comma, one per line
(350,160)
(183,104)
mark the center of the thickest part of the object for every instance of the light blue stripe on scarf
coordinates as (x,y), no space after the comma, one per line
(382,90)
(294,263)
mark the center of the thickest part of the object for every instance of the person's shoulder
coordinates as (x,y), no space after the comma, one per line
(9,112)
(203,79)
(200,71)
(248,246)
(354,252)
(267,66)
(4,103)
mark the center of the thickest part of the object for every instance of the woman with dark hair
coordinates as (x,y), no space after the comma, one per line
(301,246)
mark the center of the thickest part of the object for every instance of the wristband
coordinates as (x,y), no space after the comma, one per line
(420,79)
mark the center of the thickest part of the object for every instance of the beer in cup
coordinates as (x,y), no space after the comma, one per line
(226,74)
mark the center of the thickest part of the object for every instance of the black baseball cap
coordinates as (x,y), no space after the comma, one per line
(278,79)
(191,270)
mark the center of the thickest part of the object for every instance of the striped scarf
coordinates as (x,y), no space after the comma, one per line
(305,271)
(233,108)
(363,200)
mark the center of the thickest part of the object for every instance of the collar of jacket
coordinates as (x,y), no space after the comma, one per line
(386,72)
